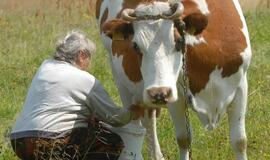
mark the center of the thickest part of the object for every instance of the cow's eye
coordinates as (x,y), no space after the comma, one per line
(136,47)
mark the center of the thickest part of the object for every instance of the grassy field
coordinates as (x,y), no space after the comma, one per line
(29,30)
(249,5)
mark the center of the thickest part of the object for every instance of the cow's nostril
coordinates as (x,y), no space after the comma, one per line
(160,98)
(159,95)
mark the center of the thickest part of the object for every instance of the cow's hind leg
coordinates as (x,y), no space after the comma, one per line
(177,111)
(236,115)
(153,147)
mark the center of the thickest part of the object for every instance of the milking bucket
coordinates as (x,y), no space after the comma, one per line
(133,136)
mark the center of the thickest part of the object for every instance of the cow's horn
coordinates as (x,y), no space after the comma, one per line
(179,9)
(127,15)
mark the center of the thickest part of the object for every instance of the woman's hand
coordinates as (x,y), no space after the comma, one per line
(137,111)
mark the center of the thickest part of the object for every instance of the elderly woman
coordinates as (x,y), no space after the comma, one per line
(62,114)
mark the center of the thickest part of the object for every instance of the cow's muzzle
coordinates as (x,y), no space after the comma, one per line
(159,95)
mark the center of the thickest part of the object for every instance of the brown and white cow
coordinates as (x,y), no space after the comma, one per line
(142,39)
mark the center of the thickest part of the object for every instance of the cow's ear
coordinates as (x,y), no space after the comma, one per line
(195,23)
(118,29)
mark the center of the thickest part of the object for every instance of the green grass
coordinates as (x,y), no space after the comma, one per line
(28,35)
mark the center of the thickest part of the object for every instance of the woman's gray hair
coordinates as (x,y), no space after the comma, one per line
(67,49)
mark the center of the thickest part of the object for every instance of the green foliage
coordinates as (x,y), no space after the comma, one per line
(28,35)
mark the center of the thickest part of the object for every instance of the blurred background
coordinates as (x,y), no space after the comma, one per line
(30,28)
(253,5)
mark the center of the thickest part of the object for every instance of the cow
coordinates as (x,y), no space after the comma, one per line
(155,45)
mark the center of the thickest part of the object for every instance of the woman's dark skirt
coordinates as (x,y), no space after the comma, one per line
(93,143)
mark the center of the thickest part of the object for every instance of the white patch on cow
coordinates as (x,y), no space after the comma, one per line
(103,7)
(246,55)
(193,40)
(211,103)
(202,6)
(114,7)
(107,42)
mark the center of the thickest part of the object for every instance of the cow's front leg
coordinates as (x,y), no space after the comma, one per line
(132,133)
(236,115)
(177,111)
(153,147)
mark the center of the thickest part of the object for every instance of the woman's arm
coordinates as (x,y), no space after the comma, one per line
(101,104)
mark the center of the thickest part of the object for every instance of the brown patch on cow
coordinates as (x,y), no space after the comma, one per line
(104,18)
(241,145)
(225,42)
(98,6)
(195,23)
(190,8)
(131,58)
(121,33)
(118,27)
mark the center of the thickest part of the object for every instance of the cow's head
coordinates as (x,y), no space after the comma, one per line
(155,38)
